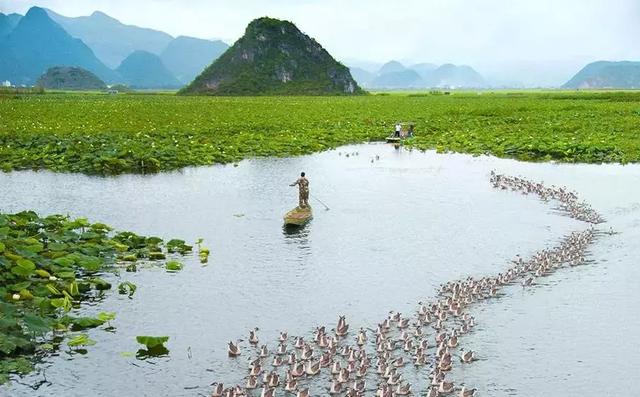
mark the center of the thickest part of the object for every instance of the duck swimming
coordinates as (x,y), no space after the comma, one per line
(233,350)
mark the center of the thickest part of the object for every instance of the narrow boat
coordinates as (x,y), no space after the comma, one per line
(394,139)
(298,216)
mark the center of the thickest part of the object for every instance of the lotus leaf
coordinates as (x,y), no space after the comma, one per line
(152,341)
(81,340)
(128,288)
(174,266)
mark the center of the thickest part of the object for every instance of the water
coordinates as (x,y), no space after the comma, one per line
(397,228)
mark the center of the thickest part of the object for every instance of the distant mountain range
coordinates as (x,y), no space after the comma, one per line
(394,75)
(605,74)
(111,40)
(37,43)
(43,39)
(147,58)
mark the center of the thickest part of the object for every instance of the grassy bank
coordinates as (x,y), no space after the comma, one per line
(112,134)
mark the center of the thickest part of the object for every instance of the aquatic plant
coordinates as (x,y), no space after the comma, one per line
(100,134)
(49,266)
(152,341)
(154,346)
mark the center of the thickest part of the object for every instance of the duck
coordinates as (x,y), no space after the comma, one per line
(362,337)
(218,389)
(252,382)
(277,361)
(343,376)
(253,336)
(307,353)
(394,379)
(264,352)
(291,385)
(445,387)
(433,392)
(419,360)
(303,393)
(467,356)
(267,392)
(403,390)
(312,368)
(398,362)
(464,392)
(336,387)
(233,350)
(297,370)
(274,380)
(255,370)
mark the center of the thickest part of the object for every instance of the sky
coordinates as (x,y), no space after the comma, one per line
(508,40)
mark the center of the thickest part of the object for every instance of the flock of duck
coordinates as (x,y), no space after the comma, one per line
(423,345)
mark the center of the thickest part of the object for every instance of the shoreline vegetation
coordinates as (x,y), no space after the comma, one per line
(101,134)
(52,266)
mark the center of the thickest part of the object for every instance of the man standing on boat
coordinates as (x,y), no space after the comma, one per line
(303,190)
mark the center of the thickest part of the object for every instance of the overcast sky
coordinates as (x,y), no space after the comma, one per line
(486,34)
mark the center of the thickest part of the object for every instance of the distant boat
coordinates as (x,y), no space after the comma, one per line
(394,139)
(298,216)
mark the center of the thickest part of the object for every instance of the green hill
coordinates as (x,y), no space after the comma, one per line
(143,69)
(38,43)
(274,58)
(186,57)
(111,40)
(70,78)
(605,74)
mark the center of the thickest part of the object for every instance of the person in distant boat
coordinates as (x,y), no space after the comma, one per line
(398,129)
(410,131)
(303,190)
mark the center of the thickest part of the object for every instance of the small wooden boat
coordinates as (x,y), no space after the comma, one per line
(394,139)
(298,216)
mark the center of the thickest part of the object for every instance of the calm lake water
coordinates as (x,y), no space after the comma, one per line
(398,227)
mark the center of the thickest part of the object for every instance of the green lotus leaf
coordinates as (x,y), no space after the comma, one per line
(152,341)
(81,340)
(106,316)
(174,266)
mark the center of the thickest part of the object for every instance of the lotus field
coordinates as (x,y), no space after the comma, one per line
(144,133)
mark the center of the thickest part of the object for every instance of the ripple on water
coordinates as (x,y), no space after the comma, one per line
(396,230)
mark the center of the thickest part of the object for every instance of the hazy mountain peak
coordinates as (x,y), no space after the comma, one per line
(391,66)
(187,56)
(38,43)
(607,74)
(101,15)
(110,39)
(143,69)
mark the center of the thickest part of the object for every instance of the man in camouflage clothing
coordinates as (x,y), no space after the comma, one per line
(303,190)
